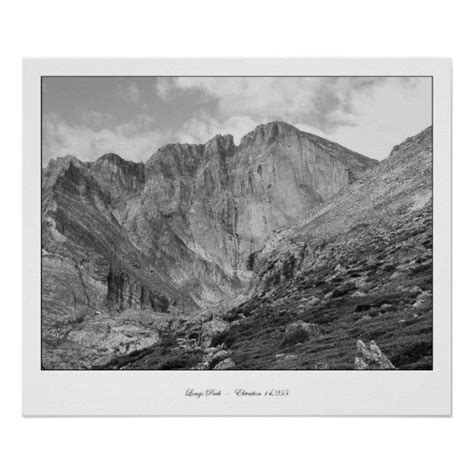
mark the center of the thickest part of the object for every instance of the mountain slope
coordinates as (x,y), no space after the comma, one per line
(358,268)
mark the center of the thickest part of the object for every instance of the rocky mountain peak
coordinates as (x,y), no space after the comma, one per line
(220,144)
(58,167)
(118,176)
(63,162)
(175,158)
(115,164)
(267,134)
(111,158)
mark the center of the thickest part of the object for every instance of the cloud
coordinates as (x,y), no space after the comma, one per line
(131,140)
(130,92)
(310,129)
(366,114)
(394,110)
(97,120)
(166,88)
(326,103)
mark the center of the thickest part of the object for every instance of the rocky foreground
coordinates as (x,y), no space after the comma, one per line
(349,287)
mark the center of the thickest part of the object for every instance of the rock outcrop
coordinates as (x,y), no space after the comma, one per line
(120,178)
(226,364)
(93,338)
(371,358)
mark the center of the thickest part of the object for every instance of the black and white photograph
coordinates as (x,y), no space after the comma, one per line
(237,237)
(237,223)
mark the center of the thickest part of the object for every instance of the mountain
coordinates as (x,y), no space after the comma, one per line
(181,232)
(216,204)
(357,268)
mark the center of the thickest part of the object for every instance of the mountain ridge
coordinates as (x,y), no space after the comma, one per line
(216,138)
(225,175)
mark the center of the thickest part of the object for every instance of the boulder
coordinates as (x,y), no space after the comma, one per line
(422,299)
(211,330)
(226,364)
(358,294)
(371,358)
(321,366)
(219,356)
(340,270)
(203,365)
(360,282)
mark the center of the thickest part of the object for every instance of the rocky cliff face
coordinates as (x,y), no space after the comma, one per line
(375,208)
(119,178)
(218,203)
(183,230)
(82,235)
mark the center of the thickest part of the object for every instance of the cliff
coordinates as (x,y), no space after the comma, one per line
(216,204)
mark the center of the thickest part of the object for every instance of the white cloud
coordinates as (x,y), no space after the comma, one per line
(310,129)
(326,103)
(129,140)
(395,110)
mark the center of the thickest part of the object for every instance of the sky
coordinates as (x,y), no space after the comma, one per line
(134,116)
